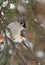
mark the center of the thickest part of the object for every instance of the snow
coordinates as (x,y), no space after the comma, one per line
(2,13)
(35,20)
(42,20)
(21,9)
(40,54)
(4,18)
(25,1)
(10,52)
(5,3)
(41,25)
(39,63)
(12,6)
(1,21)
(1,47)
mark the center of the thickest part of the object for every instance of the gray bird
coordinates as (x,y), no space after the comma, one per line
(18,33)
(17,29)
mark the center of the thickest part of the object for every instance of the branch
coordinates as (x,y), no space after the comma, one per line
(18,53)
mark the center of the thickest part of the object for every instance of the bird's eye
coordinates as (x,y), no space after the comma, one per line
(20,22)
(23,24)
